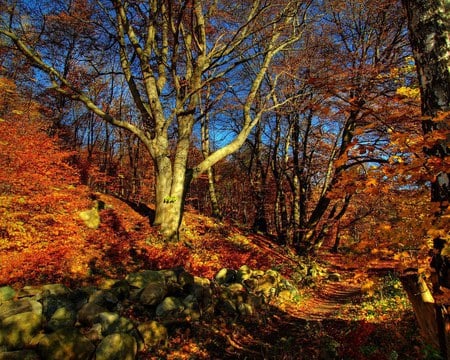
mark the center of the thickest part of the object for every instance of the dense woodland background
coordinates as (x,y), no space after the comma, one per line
(339,136)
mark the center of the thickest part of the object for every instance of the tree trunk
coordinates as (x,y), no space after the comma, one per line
(429,33)
(172,183)
(428,313)
(206,150)
(216,213)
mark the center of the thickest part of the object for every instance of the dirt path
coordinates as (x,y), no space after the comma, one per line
(330,301)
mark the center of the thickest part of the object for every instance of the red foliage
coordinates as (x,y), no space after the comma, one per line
(43,239)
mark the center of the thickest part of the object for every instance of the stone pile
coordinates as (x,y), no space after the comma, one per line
(119,318)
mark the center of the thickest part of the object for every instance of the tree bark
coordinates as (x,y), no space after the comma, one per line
(429,32)
(424,307)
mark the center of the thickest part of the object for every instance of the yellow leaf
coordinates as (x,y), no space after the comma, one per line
(408,92)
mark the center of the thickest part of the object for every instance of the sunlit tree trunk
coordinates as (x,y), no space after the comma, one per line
(429,31)
(206,150)
(169,53)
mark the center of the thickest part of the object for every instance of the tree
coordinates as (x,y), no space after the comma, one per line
(345,77)
(429,29)
(168,51)
(429,32)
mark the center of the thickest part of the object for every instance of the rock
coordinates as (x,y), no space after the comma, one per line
(56,289)
(143,278)
(267,286)
(185,280)
(227,307)
(104,298)
(257,273)
(170,306)
(245,309)
(191,308)
(244,273)
(61,318)
(95,333)
(67,344)
(153,333)
(17,331)
(202,291)
(114,323)
(153,293)
(19,355)
(171,280)
(121,289)
(117,347)
(99,312)
(91,217)
(274,275)
(89,312)
(12,307)
(51,303)
(254,301)
(225,276)
(236,288)
(6,293)
(44,291)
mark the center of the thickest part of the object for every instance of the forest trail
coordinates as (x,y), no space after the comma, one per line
(330,301)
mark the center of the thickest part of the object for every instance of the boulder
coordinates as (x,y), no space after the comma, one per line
(201,289)
(170,307)
(61,318)
(104,298)
(12,307)
(225,276)
(153,293)
(117,347)
(119,288)
(142,279)
(46,289)
(51,303)
(185,280)
(244,273)
(191,308)
(114,323)
(153,333)
(89,312)
(67,344)
(6,293)
(17,331)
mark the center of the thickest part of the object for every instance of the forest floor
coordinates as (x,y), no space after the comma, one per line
(346,319)
(364,315)
(361,314)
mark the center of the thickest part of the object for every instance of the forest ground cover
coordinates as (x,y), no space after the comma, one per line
(364,315)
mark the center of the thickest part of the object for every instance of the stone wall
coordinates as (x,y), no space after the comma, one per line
(119,318)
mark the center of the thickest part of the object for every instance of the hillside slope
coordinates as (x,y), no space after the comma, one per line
(43,239)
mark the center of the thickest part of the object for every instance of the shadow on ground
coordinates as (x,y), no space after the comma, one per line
(274,334)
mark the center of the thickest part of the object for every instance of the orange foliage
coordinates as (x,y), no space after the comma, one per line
(43,239)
